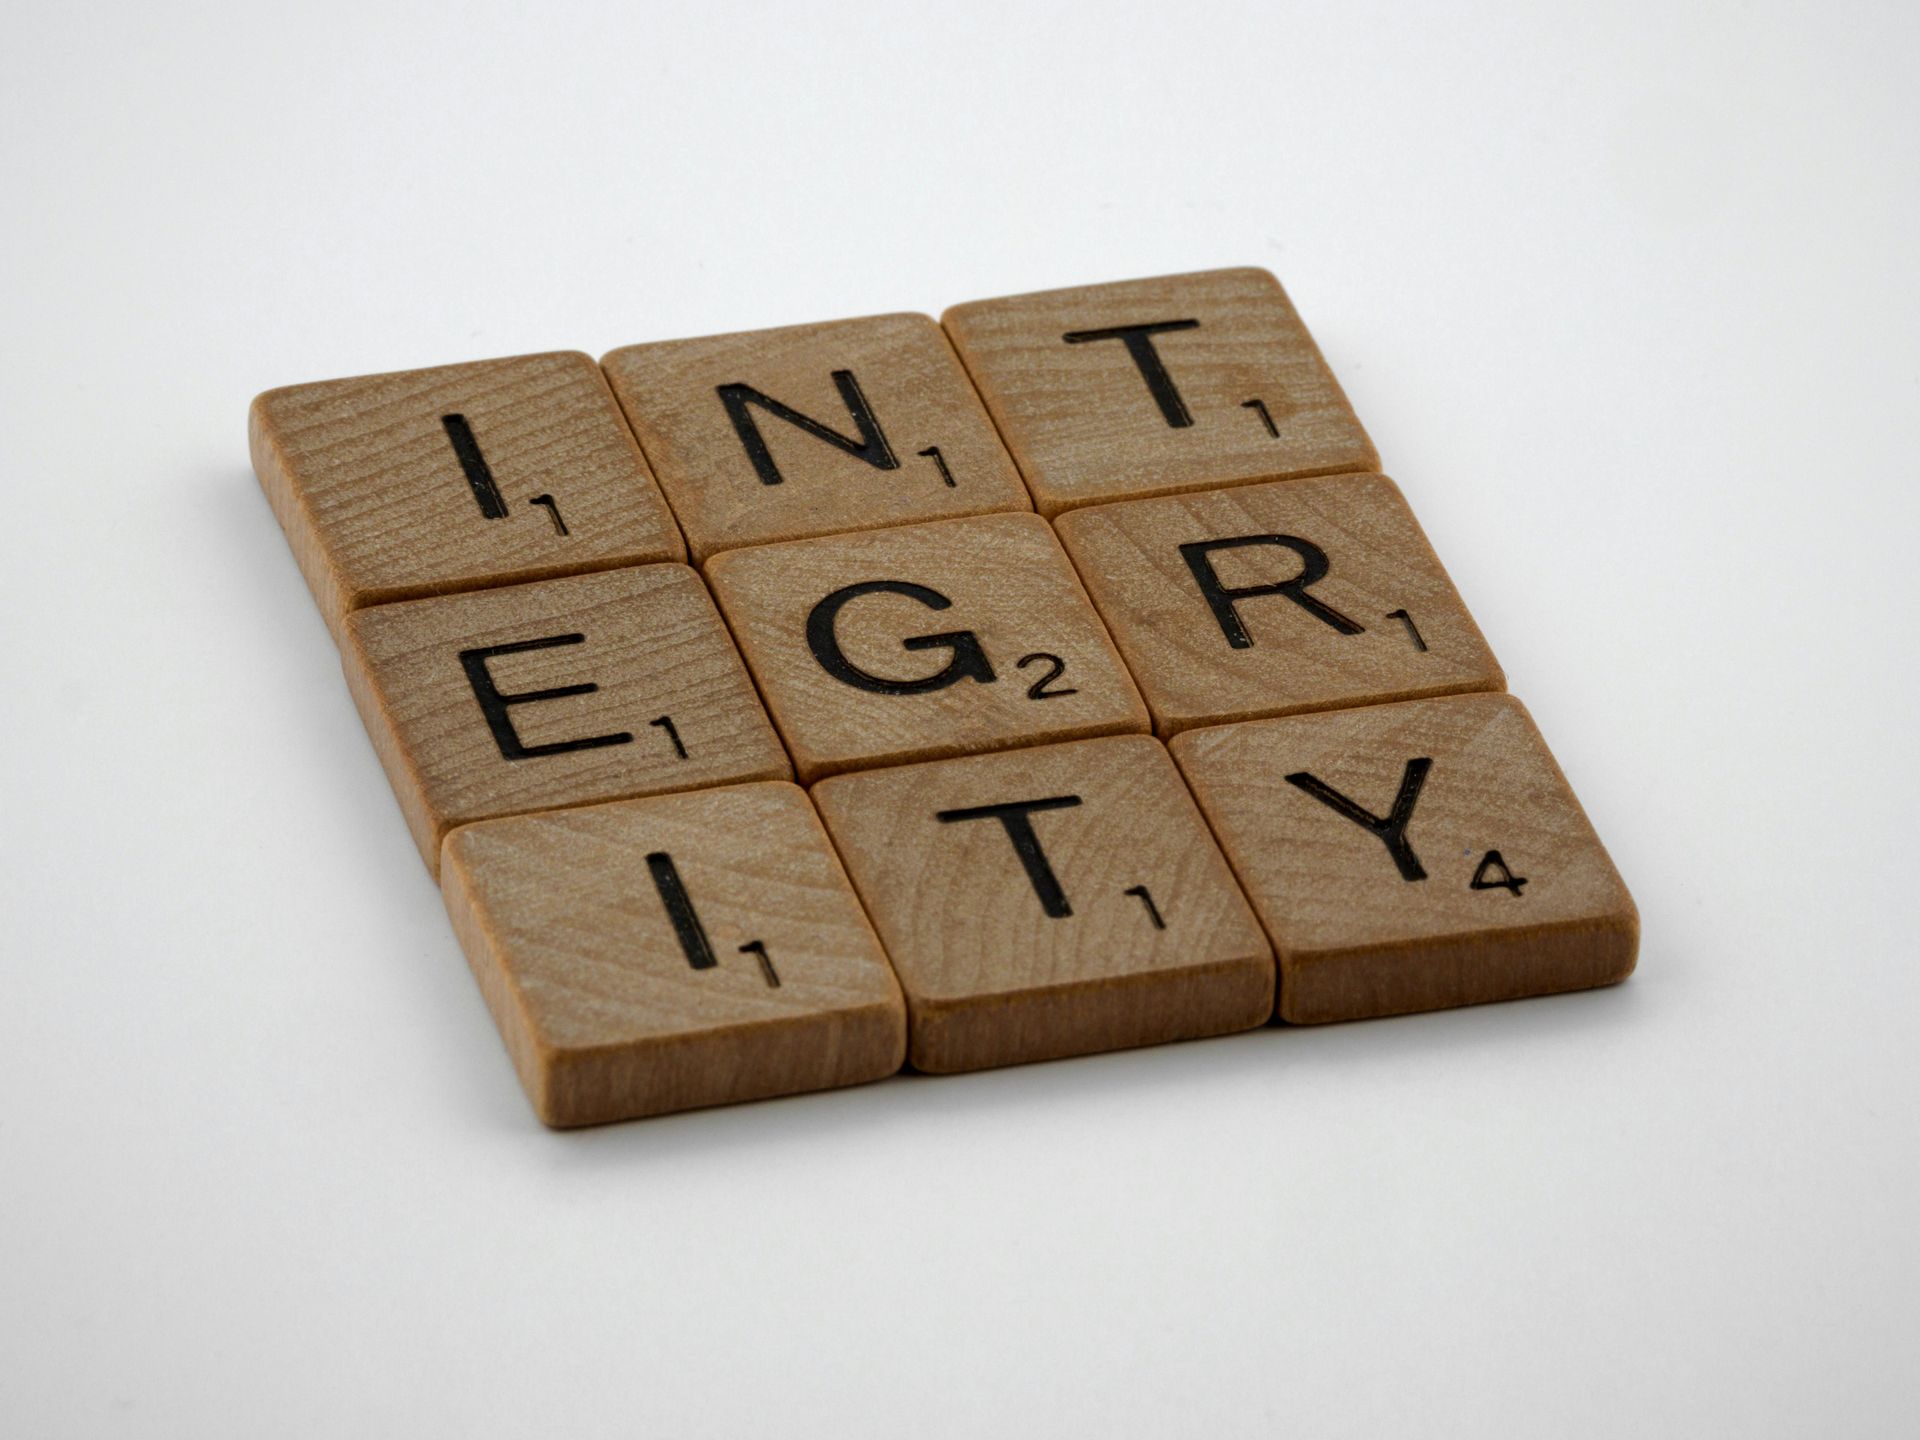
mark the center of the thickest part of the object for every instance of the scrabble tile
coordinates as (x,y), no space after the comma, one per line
(1274,599)
(391,487)
(929,640)
(1048,902)
(812,429)
(1151,387)
(656,955)
(1413,856)
(559,692)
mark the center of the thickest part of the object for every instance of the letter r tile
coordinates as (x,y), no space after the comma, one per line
(1412,856)
(923,641)
(1274,599)
(555,693)
(1049,902)
(813,429)
(1153,387)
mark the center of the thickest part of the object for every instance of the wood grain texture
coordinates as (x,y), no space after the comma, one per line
(1085,424)
(648,642)
(991,976)
(1382,623)
(917,397)
(599,999)
(378,504)
(1357,935)
(1010,595)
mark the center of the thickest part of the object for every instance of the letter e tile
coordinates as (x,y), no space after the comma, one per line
(560,692)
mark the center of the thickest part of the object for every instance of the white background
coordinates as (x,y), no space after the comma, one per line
(1628,301)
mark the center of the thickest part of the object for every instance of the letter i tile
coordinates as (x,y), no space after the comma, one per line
(560,692)
(1049,902)
(1413,856)
(425,482)
(660,954)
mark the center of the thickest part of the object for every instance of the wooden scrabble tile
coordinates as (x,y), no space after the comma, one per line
(1150,387)
(1048,902)
(424,482)
(1274,599)
(1413,856)
(813,429)
(929,640)
(559,692)
(656,955)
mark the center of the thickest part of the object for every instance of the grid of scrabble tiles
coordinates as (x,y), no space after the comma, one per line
(1208,737)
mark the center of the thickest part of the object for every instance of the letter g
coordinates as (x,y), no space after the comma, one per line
(968,661)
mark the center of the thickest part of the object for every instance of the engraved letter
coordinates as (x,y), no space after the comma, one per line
(494,704)
(969,661)
(1221,598)
(871,446)
(687,928)
(1013,819)
(473,463)
(1392,831)
(1139,342)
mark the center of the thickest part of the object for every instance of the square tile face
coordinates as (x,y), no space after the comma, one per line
(1151,387)
(424,482)
(813,429)
(1050,902)
(929,640)
(562,692)
(655,955)
(1274,599)
(1413,856)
